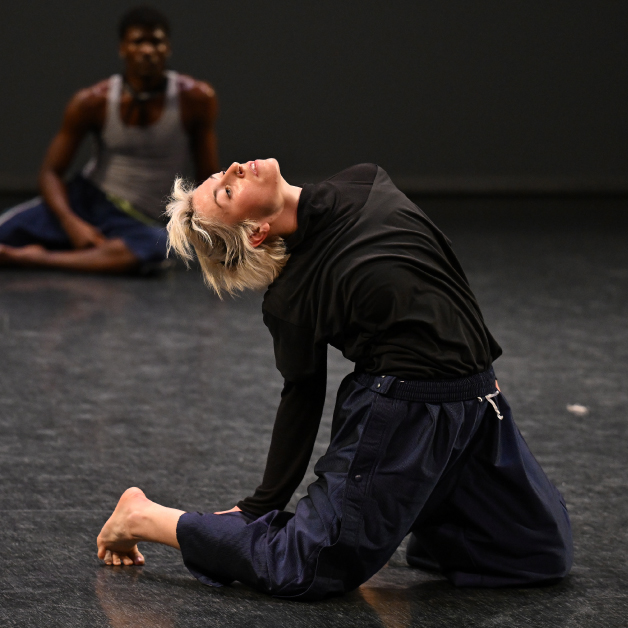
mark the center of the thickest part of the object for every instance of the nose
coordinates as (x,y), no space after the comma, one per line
(147,48)
(236,169)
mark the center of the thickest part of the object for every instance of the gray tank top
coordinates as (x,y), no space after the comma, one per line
(137,165)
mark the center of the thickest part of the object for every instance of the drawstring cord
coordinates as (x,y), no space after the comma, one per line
(489,398)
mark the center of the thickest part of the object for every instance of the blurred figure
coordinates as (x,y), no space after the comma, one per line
(148,125)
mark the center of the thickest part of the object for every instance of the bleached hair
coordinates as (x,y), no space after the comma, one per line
(230,263)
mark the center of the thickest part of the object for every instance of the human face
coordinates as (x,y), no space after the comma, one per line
(145,51)
(250,191)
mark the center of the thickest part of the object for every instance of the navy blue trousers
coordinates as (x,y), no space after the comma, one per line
(432,458)
(33,222)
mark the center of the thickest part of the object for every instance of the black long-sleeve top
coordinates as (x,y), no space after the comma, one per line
(371,275)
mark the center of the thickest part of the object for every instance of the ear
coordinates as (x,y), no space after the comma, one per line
(259,235)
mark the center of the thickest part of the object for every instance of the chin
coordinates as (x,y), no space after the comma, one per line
(149,71)
(274,164)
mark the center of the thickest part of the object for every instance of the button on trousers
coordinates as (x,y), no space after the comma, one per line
(460,479)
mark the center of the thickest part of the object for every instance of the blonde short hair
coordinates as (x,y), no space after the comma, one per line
(228,260)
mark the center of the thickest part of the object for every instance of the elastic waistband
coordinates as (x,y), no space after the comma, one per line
(430,390)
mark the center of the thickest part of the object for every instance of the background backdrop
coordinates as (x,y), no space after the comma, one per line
(444,95)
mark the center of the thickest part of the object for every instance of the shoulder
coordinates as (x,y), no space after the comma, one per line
(199,105)
(90,102)
(195,91)
(360,173)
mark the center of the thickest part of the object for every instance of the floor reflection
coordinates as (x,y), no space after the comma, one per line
(391,595)
(404,597)
(120,603)
(391,606)
(62,300)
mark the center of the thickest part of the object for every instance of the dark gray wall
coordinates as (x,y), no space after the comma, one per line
(432,91)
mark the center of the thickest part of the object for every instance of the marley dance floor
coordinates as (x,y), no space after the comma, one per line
(111,382)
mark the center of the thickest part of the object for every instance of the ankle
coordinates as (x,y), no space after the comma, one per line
(136,524)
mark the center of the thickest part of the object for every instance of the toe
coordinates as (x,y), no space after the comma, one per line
(127,560)
(116,558)
(107,558)
(138,558)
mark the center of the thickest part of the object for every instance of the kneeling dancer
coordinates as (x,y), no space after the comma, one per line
(422,440)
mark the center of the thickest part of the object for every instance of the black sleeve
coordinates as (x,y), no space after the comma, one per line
(303,365)
(294,434)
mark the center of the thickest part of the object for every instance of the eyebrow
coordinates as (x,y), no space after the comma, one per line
(215,193)
(216,200)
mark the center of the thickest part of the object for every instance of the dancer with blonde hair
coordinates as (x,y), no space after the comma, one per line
(422,441)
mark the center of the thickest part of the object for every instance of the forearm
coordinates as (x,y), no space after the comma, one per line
(206,159)
(212,164)
(61,152)
(294,435)
(55,193)
(82,234)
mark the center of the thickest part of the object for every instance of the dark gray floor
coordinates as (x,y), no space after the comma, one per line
(112,382)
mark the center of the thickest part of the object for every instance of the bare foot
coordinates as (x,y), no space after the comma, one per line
(116,543)
(30,255)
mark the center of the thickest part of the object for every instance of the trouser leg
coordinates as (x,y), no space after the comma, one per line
(32,222)
(495,519)
(418,555)
(278,552)
(384,461)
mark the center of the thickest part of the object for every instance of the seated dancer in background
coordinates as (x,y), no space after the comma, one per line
(148,125)
(422,440)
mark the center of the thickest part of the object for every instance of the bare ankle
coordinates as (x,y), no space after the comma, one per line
(137,522)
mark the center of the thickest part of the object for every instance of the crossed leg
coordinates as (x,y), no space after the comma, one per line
(112,256)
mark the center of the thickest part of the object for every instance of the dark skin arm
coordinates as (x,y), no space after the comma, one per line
(199,110)
(85,112)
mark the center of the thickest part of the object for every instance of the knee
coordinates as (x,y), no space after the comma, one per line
(115,247)
(120,255)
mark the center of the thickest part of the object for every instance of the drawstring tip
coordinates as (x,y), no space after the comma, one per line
(489,398)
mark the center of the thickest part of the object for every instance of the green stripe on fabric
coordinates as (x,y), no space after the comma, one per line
(126,207)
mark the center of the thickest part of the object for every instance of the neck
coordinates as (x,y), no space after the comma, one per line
(285,222)
(145,83)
